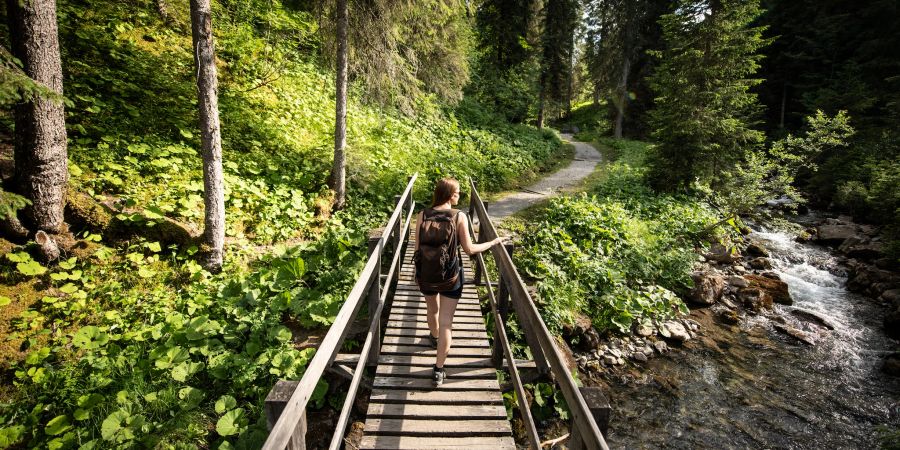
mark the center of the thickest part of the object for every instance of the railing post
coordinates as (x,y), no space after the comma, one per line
(534,343)
(472,216)
(503,310)
(599,407)
(375,297)
(275,403)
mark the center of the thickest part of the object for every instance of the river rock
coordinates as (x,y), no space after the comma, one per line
(834,234)
(721,254)
(639,356)
(708,288)
(871,280)
(799,335)
(730,317)
(610,360)
(660,347)
(583,331)
(755,249)
(891,365)
(814,317)
(644,330)
(891,296)
(755,298)
(738,282)
(676,331)
(775,289)
(761,263)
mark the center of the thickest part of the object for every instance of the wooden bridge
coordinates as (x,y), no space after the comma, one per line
(405,411)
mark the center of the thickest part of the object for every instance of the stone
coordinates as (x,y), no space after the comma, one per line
(740,268)
(583,331)
(615,352)
(610,360)
(814,317)
(834,234)
(802,336)
(730,317)
(639,356)
(755,299)
(620,361)
(755,249)
(761,263)
(677,331)
(722,254)
(891,365)
(660,347)
(869,251)
(644,330)
(891,296)
(738,281)
(775,289)
(708,288)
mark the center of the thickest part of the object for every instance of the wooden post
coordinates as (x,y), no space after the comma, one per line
(275,403)
(537,352)
(375,298)
(503,309)
(479,238)
(598,404)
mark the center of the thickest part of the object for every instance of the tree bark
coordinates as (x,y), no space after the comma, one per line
(338,169)
(210,135)
(540,117)
(783,104)
(41,173)
(622,97)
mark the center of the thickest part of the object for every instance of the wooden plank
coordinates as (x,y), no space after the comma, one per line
(424,342)
(439,443)
(443,428)
(420,304)
(422,311)
(427,351)
(423,332)
(425,372)
(424,318)
(436,397)
(400,411)
(428,361)
(424,326)
(450,384)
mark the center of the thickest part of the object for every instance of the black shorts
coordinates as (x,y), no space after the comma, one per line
(454,293)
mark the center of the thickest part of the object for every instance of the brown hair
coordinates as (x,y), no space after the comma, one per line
(443,190)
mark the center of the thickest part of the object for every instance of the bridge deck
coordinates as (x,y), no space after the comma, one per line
(405,410)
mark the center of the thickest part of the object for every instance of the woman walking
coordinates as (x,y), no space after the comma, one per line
(440,232)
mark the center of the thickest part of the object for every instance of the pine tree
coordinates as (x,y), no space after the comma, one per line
(705,113)
(560,20)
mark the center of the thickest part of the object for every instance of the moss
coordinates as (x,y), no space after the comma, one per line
(83,212)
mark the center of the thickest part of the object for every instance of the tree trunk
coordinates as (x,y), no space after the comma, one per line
(338,169)
(210,135)
(622,97)
(41,172)
(783,104)
(540,117)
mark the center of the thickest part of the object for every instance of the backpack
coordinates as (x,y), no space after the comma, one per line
(437,260)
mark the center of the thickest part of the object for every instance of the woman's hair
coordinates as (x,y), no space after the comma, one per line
(443,190)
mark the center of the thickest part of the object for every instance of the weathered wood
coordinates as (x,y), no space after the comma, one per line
(444,428)
(436,396)
(436,443)
(450,384)
(451,361)
(426,351)
(387,370)
(423,312)
(276,400)
(375,240)
(347,374)
(423,332)
(424,342)
(424,326)
(420,305)
(434,412)
(457,319)
(600,411)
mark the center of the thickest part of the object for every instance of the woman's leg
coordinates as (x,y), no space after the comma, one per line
(445,321)
(431,305)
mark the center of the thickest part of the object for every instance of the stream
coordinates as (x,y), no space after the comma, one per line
(749,386)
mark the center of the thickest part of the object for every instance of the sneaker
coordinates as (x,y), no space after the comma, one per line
(438,377)
(433,340)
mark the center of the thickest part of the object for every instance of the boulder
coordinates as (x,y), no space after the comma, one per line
(864,278)
(676,331)
(708,288)
(869,251)
(639,356)
(755,298)
(775,289)
(755,249)
(891,296)
(761,263)
(660,347)
(721,254)
(814,317)
(583,331)
(802,336)
(834,234)
(738,282)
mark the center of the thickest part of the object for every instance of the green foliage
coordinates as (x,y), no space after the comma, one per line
(704,108)
(619,255)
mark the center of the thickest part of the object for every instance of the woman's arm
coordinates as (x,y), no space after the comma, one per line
(465,240)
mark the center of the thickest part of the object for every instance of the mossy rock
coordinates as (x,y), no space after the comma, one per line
(83,212)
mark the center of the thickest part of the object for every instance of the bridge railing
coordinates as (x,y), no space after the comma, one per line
(287,415)
(585,433)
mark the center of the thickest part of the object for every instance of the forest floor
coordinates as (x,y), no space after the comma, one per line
(586,159)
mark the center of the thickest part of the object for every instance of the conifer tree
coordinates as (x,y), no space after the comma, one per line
(705,113)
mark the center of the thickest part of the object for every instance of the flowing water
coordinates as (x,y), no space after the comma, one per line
(752,387)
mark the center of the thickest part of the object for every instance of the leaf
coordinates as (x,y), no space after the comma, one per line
(114,427)
(225,403)
(153,247)
(11,435)
(171,357)
(31,268)
(81,414)
(58,425)
(4,300)
(233,422)
(184,370)
(18,257)
(281,333)
(190,397)
(146,272)
(68,264)
(68,288)
(90,337)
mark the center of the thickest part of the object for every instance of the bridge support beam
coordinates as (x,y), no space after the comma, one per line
(275,403)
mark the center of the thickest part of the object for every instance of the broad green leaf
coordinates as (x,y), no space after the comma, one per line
(171,357)
(30,268)
(11,435)
(81,414)
(146,272)
(225,403)
(190,397)
(90,337)
(184,370)
(58,425)
(68,288)
(153,247)
(233,422)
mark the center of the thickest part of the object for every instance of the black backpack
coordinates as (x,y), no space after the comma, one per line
(437,260)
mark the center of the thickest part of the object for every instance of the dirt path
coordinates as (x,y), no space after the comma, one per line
(586,159)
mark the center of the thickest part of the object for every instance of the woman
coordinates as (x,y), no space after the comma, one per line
(441,301)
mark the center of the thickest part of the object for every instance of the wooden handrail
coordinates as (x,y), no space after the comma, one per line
(283,430)
(526,310)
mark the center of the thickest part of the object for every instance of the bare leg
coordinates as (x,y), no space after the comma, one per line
(445,319)
(431,304)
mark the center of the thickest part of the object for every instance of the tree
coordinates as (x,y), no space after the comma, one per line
(41,173)
(705,112)
(210,135)
(338,169)
(560,20)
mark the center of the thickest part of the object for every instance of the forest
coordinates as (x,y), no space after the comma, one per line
(187,188)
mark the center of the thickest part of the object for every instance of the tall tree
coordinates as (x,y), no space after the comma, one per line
(705,111)
(338,169)
(41,173)
(560,20)
(210,134)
